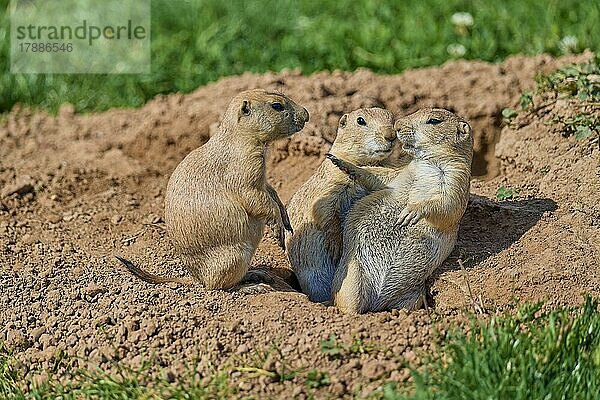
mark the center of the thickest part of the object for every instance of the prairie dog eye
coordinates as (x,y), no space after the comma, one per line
(277,106)
(434,121)
(361,121)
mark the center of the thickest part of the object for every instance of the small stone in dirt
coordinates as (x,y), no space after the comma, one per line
(93,289)
(102,320)
(352,364)
(170,376)
(242,348)
(116,219)
(45,340)
(338,389)
(150,329)
(287,350)
(385,318)
(54,218)
(137,336)
(69,216)
(152,219)
(373,369)
(136,361)
(400,376)
(245,386)
(36,333)
(297,392)
(122,334)
(15,338)
(399,313)
(29,239)
(133,202)
(410,356)
(107,351)
(234,325)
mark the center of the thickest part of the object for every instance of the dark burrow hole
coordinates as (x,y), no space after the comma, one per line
(485,165)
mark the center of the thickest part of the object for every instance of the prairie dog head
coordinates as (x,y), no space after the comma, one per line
(435,132)
(263,116)
(365,136)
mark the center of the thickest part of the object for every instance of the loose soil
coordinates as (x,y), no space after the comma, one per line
(78,189)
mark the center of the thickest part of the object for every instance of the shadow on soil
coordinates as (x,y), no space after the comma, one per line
(488,227)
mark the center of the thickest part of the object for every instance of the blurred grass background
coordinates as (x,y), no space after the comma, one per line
(197,41)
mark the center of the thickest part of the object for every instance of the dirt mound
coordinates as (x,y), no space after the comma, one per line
(78,189)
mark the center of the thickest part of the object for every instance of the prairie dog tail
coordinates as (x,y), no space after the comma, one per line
(148,277)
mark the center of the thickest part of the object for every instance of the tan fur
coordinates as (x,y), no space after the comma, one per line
(218,199)
(318,207)
(397,236)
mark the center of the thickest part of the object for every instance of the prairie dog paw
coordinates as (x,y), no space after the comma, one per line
(408,217)
(341,164)
(254,288)
(282,218)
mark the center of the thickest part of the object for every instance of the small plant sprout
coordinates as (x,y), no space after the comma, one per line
(462,21)
(568,44)
(526,100)
(456,50)
(334,349)
(509,114)
(315,379)
(506,193)
(581,125)
(330,347)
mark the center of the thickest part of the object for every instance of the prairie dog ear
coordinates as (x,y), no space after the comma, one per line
(245,109)
(464,128)
(343,121)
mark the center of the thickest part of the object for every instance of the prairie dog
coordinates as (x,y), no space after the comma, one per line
(317,209)
(218,198)
(396,237)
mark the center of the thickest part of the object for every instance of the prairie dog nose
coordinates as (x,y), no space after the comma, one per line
(389,133)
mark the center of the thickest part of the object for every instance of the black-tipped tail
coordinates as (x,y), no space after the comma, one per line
(147,276)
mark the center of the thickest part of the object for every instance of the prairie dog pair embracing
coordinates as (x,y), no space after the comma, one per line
(394,238)
(365,137)
(218,200)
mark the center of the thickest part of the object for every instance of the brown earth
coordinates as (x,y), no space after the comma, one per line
(78,189)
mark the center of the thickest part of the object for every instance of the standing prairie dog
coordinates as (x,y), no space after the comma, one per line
(218,198)
(397,236)
(364,137)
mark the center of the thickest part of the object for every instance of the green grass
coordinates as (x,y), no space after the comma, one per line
(577,84)
(335,349)
(532,355)
(195,42)
(529,354)
(580,81)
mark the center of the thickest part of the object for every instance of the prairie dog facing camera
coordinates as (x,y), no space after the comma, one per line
(398,235)
(366,137)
